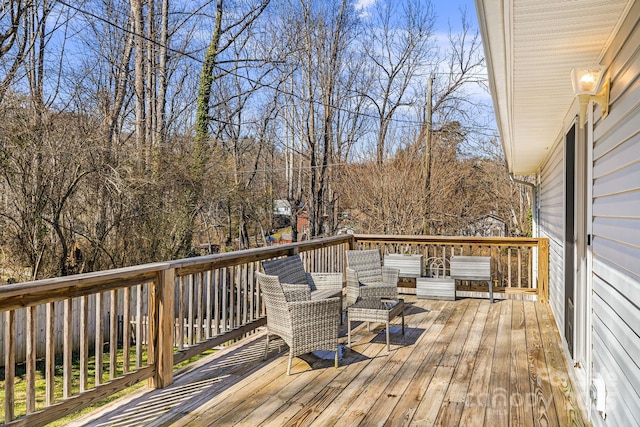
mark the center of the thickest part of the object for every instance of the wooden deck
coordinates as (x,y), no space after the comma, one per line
(462,362)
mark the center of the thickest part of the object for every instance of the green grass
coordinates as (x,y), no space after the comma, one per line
(20,386)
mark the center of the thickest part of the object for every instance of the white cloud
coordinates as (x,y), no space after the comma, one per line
(364,4)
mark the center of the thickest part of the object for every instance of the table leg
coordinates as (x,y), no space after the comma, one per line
(403,322)
(490,291)
(348,331)
(388,347)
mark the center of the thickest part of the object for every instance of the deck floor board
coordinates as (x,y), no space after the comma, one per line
(464,362)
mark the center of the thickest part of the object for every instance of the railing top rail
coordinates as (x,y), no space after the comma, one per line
(449,240)
(202,263)
(47,290)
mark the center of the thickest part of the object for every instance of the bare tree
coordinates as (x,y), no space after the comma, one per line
(463,64)
(400,51)
(103,162)
(244,110)
(324,88)
(453,187)
(14,41)
(222,37)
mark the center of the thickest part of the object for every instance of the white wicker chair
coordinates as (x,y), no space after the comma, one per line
(366,277)
(304,325)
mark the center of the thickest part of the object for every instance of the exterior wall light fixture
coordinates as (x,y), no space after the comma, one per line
(585,82)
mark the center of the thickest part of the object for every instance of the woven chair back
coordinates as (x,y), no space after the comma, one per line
(289,270)
(366,263)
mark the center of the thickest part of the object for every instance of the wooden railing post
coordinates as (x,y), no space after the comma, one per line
(161,331)
(543,270)
(351,243)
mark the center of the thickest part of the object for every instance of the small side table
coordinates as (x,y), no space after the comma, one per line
(375,310)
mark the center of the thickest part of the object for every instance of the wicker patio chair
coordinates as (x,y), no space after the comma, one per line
(291,271)
(366,277)
(304,325)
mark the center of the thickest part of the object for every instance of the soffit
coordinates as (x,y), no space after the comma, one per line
(531,47)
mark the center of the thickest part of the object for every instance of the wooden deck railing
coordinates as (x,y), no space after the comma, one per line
(98,333)
(520,266)
(108,330)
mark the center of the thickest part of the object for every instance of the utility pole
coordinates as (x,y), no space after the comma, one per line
(427,156)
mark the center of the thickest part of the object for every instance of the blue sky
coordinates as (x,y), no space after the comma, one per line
(448,11)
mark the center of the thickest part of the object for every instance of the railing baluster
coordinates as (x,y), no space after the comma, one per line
(84,342)
(67,349)
(209,302)
(520,267)
(326,260)
(181,310)
(9,364)
(238,280)
(509,275)
(190,310)
(126,329)
(252,295)
(216,298)
(50,357)
(99,341)
(231,285)
(224,306)
(233,296)
(32,327)
(530,268)
(113,334)
(259,304)
(139,326)
(245,292)
(199,293)
(498,257)
(327,267)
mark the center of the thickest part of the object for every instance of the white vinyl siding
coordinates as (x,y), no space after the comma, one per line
(616,234)
(551,223)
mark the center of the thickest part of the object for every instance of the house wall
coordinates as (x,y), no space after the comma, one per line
(615,227)
(551,226)
(616,232)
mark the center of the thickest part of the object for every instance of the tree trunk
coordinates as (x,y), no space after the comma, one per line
(162,85)
(139,75)
(204,96)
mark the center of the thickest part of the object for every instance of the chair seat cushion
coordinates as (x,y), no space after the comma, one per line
(324,293)
(378,284)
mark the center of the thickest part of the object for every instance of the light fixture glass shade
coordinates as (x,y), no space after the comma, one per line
(586,80)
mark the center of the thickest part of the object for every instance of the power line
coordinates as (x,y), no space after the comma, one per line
(244,172)
(254,81)
(128,31)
